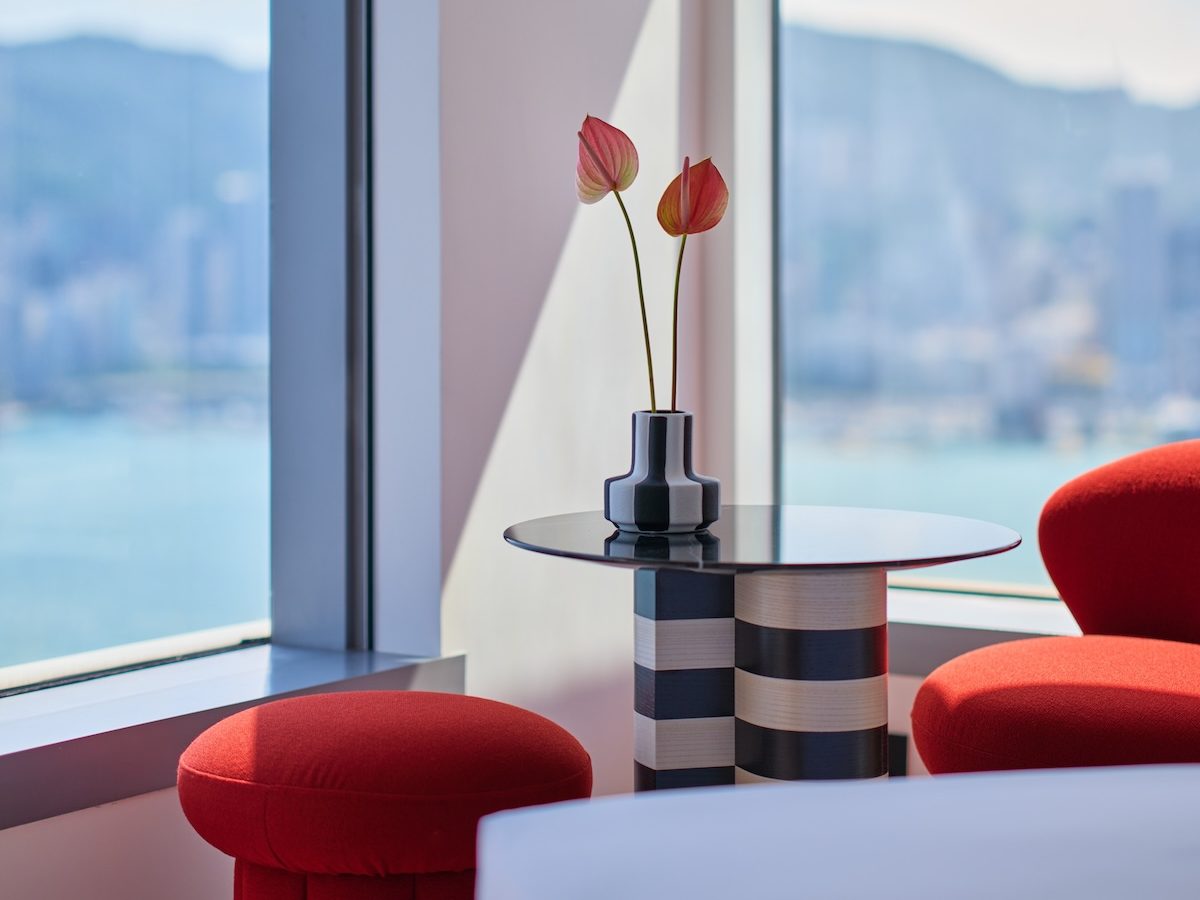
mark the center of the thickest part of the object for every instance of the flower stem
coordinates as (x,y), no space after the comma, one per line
(675,325)
(637,265)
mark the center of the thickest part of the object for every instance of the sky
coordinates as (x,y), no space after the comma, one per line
(1149,47)
(236,31)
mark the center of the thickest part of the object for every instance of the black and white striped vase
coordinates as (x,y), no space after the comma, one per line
(661,493)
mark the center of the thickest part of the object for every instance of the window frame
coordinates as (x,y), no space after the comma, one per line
(727,107)
(319,382)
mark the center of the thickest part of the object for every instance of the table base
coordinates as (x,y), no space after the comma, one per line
(759,677)
(683,679)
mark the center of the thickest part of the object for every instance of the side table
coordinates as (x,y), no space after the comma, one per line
(760,646)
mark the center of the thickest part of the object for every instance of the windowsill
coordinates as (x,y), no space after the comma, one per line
(24,676)
(1005,589)
(970,610)
(79,745)
(928,628)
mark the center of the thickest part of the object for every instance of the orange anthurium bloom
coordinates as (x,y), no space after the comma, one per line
(608,161)
(695,201)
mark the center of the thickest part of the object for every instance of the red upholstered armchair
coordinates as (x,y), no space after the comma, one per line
(1122,545)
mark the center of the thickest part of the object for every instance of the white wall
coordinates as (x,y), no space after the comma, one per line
(517,77)
(141,848)
(534,280)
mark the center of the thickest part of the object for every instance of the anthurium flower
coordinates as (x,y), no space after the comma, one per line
(608,161)
(695,201)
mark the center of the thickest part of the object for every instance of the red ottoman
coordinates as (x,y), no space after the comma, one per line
(1061,701)
(375,794)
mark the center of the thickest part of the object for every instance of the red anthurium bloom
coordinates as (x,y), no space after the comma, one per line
(608,161)
(695,201)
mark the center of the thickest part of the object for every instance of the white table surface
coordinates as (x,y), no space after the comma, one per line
(1088,833)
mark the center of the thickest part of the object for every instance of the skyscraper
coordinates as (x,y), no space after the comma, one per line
(1135,308)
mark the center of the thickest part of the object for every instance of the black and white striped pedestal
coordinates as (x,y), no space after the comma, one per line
(777,676)
(684,677)
(810,682)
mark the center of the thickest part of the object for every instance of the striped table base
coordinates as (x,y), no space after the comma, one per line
(759,677)
(683,679)
(810,687)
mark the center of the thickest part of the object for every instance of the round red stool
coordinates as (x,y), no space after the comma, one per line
(368,795)
(1122,544)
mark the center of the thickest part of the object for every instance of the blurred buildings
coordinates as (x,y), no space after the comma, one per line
(133,230)
(962,256)
(965,257)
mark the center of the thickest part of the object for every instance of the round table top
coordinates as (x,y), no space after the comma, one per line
(756,538)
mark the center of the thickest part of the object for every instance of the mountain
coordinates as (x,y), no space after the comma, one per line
(916,116)
(133,221)
(108,137)
(946,230)
(917,123)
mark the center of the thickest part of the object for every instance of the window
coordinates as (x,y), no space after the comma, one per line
(989,251)
(134,452)
(349,84)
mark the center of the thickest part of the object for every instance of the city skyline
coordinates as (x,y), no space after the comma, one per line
(113,298)
(968,257)
(1052,266)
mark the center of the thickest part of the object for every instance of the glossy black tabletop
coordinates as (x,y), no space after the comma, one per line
(757,538)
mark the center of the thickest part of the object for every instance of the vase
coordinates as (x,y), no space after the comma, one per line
(661,493)
(693,547)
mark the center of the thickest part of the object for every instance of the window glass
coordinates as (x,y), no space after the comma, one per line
(989,250)
(133,321)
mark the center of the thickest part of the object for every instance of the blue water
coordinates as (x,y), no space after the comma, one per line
(112,531)
(1003,483)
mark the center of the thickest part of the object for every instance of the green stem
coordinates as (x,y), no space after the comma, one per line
(675,326)
(637,265)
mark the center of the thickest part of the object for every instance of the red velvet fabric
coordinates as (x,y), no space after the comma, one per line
(1061,701)
(372,783)
(253,882)
(1122,544)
